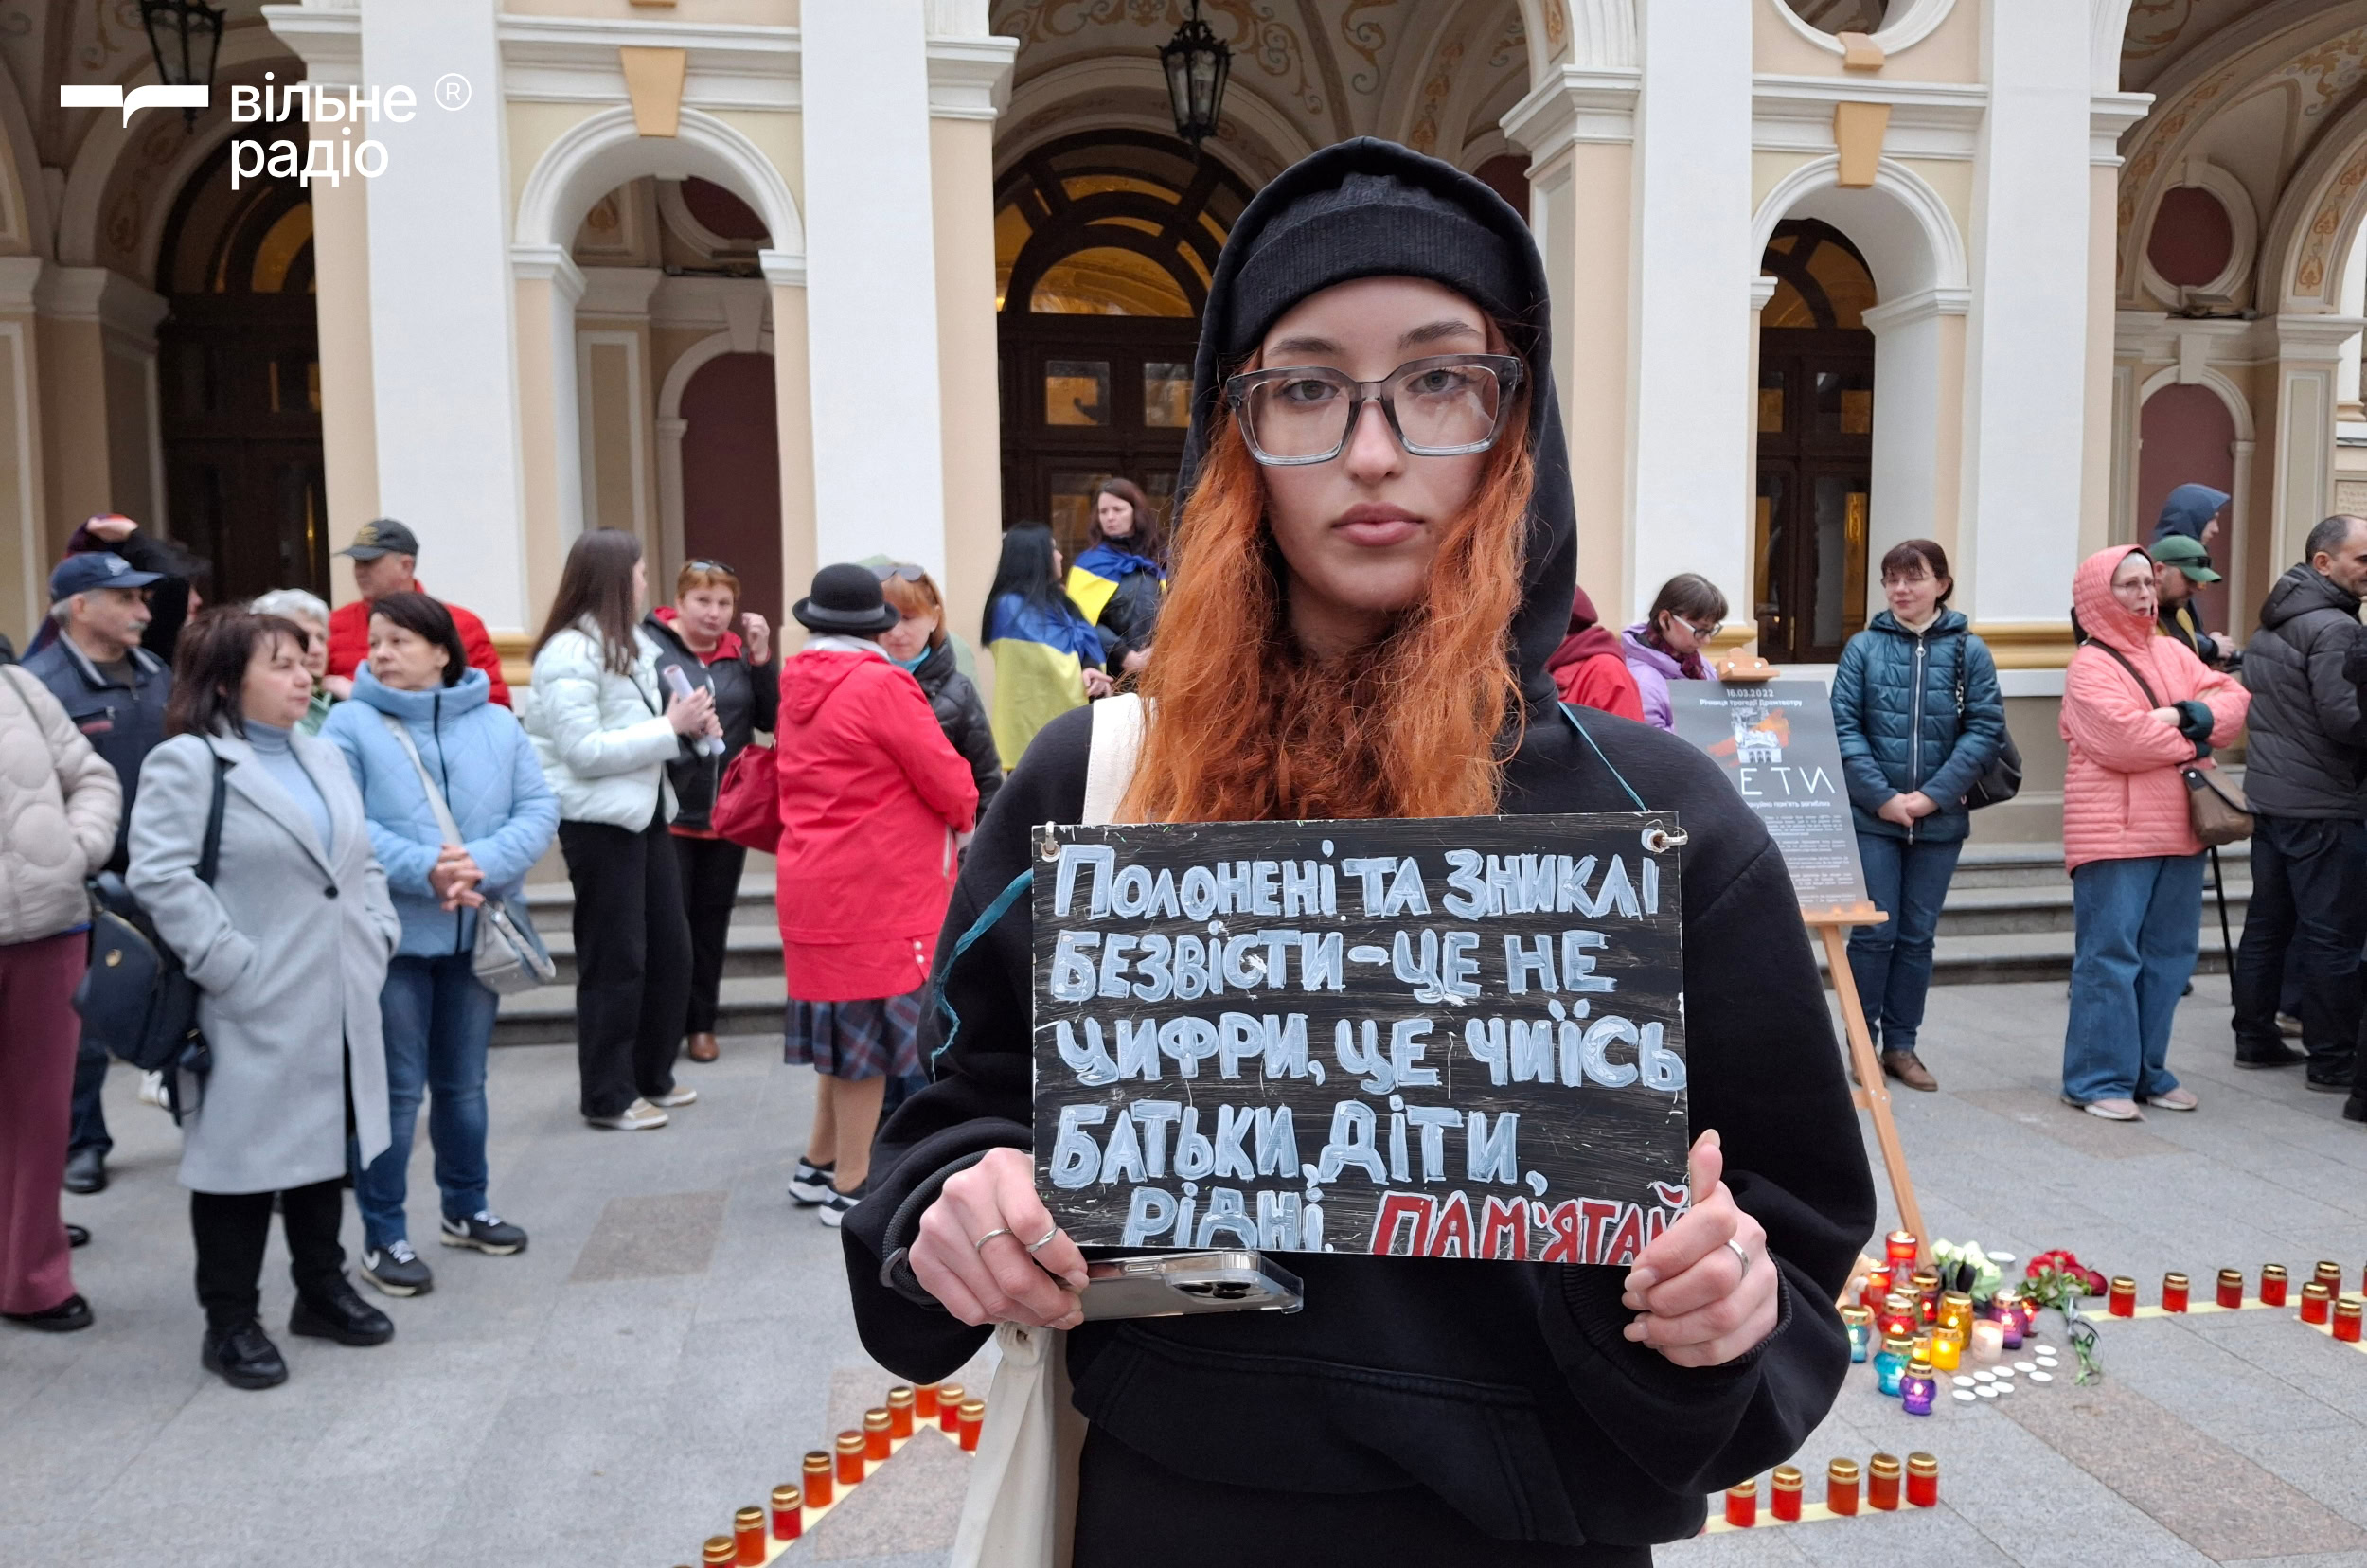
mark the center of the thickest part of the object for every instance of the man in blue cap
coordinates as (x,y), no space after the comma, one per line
(114,690)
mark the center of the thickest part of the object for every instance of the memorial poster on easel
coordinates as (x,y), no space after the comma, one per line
(1776,742)
(1458,1038)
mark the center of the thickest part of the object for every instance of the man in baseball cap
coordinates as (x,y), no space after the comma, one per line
(115,691)
(384,554)
(2182,563)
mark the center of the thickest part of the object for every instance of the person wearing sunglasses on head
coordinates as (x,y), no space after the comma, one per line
(695,634)
(1668,644)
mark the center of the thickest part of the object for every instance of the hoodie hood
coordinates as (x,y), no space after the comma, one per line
(1372,208)
(1587,639)
(807,680)
(423,707)
(2188,510)
(2301,590)
(2103,618)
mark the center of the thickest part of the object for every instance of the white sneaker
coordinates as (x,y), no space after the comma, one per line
(2114,1110)
(153,1090)
(810,1187)
(679,1095)
(638,1117)
(836,1207)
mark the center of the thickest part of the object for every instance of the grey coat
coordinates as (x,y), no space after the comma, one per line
(289,947)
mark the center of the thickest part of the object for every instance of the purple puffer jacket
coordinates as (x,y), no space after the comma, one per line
(1653,670)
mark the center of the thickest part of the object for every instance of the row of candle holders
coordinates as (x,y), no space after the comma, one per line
(2324,1300)
(828,1476)
(1882,1489)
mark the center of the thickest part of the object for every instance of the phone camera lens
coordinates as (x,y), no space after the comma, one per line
(1214,1290)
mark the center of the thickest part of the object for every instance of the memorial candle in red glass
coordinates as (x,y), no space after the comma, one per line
(1783,1498)
(2122,1301)
(2316,1302)
(2231,1288)
(2272,1280)
(1840,1485)
(1881,1482)
(949,1408)
(973,1418)
(748,1537)
(900,1409)
(875,1436)
(1923,1480)
(817,1471)
(2175,1288)
(789,1507)
(2346,1316)
(849,1458)
(1899,1250)
(1742,1503)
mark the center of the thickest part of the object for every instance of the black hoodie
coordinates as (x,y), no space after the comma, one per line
(1506,1388)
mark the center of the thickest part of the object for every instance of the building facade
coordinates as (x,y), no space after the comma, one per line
(778,283)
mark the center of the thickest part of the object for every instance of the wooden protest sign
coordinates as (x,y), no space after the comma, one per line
(1456,1038)
(1776,742)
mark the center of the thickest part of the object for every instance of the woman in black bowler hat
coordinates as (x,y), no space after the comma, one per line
(874,803)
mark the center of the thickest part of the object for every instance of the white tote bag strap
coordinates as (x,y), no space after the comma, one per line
(444,823)
(1020,1510)
(1117,746)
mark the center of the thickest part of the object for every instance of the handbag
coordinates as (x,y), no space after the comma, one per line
(136,999)
(2000,780)
(2215,807)
(1020,1510)
(747,808)
(510,955)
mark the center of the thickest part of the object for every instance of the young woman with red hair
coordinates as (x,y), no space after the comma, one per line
(1376,562)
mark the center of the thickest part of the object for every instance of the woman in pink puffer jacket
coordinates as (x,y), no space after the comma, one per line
(2138,710)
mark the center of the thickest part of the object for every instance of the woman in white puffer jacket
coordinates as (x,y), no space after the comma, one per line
(604,736)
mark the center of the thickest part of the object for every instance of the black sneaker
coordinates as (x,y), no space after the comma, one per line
(341,1316)
(396,1269)
(243,1357)
(2336,1080)
(2267,1053)
(2355,1109)
(838,1205)
(487,1232)
(76,1236)
(64,1318)
(812,1184)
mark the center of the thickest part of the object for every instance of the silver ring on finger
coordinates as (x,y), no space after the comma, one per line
(1742,1257)
(1042,1241)
(979,1245)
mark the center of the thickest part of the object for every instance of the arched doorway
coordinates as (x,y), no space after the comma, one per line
(239,381)
(1104,245)
(2186,434)
(731,477)
(1815,444)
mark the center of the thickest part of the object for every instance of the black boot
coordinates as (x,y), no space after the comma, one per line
(2272,1052)
(64,1318)
(244,1357)
(2355,1109)
(341,1314)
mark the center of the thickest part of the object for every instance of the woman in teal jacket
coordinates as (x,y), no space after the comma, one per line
(1916,706)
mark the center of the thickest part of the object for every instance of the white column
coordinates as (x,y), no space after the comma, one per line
(871,284)
(1905,499)
(2025,405)
(1690,355)
(443,358)
(2309,359)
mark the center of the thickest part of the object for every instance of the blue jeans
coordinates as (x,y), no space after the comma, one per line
(2137,924)
(438,1022)
(1891,962)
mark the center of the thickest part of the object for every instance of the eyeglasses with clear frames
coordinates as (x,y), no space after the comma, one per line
(1444,406)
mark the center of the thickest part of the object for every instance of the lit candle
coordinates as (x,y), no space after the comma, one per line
(2230,1289)
(1955,1309)
(787,1513)
(900,1409)
(1927,1288)
(2315,1302)
(1783,1497)
(2346,1316)
(1919,1388)
(1840,1485)
(1900,1249)
(1988,1342)
(849,1458)
(1878,1285)
(2006,1309)
(1923,1480)
(1881,1482)
(1860,1324)
(2273,1284)
(817,1471)
(748,1537)
(1890,1363)
(1899,1315)
(1948,1350)
(1742,1503)
(2122,1301)
(2174,1290)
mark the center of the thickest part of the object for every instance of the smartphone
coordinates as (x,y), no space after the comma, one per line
(1233,1279)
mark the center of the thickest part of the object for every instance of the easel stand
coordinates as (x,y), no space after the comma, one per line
(1872,1094)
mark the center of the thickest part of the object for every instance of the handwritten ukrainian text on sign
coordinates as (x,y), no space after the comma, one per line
(1459,1038)
(1775,740)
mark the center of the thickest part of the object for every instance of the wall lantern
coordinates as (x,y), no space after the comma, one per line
(1197,66)
(185,35)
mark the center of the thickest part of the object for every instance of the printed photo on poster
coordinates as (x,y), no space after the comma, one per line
(1776,742)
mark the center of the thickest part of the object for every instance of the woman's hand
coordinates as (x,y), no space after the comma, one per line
(1703,1305)
(1097,684)
(694,714)
(1134,661)
(453,878)
(1894,809)
(2167,716)
(1918,805)
(995,1201)
(757,636)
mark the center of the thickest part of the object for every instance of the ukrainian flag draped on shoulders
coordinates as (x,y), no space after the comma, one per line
(1040,657)
(1101,572)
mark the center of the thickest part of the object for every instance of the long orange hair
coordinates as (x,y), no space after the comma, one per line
(1246,727)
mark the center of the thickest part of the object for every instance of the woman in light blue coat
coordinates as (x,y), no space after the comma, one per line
(438,1016)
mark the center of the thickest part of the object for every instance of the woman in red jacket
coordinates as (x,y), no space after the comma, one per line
(1588,669)
(2139,710)
(873,800)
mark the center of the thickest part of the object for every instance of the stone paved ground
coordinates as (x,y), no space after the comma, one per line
(676,1335)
